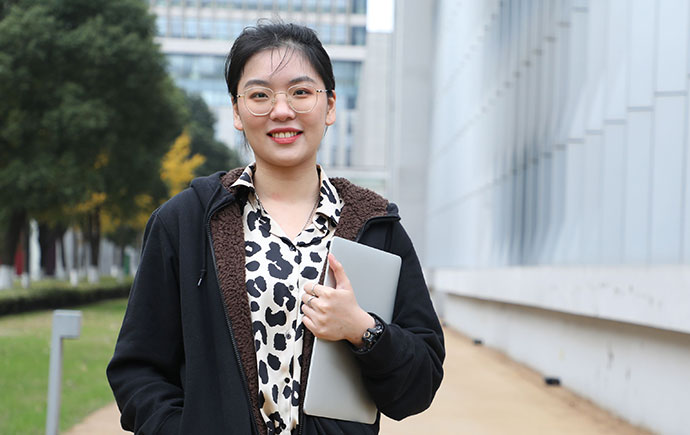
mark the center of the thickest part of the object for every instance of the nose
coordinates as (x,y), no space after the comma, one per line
(281,109)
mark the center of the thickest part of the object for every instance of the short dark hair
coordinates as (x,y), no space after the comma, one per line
(270,35)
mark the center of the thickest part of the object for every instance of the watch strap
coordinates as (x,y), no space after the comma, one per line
(371,335)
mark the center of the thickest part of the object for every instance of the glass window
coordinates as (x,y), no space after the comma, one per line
(206,26)
(267,5)
(359,6)
(159,2)
(190,28)
(222,3)
(223,29)
(297,5)
(359,35)
(310,5)
(190,3)
(341,6)
(282,5)
(180,65)
(175,2)
(325,5)
(324,32)
(236,27)
(237,4)
(347,77)
(252,4)
(206,66)
(205,3)
(340,34)
(162,25)
(176,27)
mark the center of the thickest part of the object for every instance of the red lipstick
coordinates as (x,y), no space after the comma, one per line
(284,135)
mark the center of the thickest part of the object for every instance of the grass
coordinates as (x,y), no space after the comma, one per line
(24,360)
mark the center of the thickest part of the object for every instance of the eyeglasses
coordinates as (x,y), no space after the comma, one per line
(259,101)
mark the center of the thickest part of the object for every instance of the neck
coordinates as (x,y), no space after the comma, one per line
(293,185)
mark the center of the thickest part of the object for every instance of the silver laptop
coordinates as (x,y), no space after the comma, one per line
(335,388)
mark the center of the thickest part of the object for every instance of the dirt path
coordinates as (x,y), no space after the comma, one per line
(483,393)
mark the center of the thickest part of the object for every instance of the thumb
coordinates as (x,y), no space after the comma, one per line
(341,279)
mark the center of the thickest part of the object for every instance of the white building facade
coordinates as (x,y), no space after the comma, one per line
(558,193)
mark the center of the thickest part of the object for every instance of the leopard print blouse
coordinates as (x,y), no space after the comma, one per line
(277,270)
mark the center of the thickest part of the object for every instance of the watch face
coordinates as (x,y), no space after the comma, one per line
(367,334)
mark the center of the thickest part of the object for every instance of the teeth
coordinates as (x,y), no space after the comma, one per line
(284,134)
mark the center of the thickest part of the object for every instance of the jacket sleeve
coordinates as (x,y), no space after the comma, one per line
(403,370)
(144,372)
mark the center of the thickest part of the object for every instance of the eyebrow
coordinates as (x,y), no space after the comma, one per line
(259,82)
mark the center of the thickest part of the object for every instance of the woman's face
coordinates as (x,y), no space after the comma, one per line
(283,138)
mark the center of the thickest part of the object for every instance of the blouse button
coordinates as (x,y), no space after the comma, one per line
(292,248)
(292,287)
(288,336)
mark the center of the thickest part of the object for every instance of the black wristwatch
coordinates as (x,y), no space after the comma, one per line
(371,335)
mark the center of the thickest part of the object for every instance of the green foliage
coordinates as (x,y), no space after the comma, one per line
(24,358)
(87,105)
(201,128)
(52,294)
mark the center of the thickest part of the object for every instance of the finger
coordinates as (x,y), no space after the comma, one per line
(308,323)
(311,316)
(306,297)
(313,303)
(341,279)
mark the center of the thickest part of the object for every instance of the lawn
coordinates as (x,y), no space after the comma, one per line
(24,358)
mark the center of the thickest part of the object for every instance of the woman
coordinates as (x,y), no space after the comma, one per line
(214,337)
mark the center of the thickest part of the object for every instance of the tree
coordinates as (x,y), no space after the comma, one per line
(201,128)
(87,108)
(177,168)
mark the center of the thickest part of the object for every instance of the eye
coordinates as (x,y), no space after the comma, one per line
(258,94)
(301,91)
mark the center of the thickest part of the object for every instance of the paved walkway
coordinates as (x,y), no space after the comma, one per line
(483,393)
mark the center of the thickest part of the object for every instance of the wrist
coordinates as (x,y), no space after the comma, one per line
(371,336)
(364,322)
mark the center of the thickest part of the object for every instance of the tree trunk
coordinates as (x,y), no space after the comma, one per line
(26,273)
(94,240)
(60,238)
(74,271)
(10,238)
(46,240)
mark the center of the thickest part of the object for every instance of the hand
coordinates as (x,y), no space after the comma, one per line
(333,313)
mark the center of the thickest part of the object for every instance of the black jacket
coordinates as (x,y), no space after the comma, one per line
(184,361)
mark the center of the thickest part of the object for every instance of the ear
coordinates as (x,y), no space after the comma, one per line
(330,113)
(237,121)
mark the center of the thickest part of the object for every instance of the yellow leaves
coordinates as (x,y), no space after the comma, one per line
(177,167)
(109,223)
(101,160)
(97,199)
(145,205)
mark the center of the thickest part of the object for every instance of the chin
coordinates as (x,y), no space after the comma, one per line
(286,156)
(286,161)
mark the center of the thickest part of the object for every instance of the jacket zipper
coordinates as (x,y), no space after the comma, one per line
(359,236)
(225,312)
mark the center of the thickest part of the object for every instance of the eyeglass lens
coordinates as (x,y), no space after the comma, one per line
(260,101)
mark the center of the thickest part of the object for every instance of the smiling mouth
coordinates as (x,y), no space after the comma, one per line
(284,134)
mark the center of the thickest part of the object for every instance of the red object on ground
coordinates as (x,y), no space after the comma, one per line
(19,260)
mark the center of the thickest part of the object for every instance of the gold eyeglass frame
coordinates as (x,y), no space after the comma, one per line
(275,94)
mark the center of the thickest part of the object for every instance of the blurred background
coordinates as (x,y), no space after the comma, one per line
(538,151)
